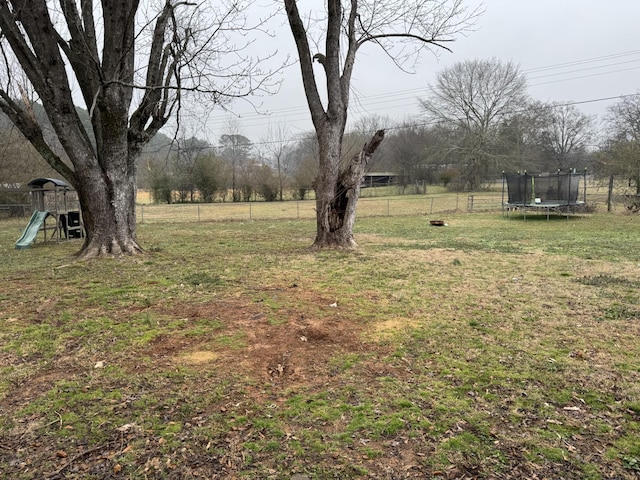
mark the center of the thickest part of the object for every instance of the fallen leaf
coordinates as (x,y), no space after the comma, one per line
(126,427)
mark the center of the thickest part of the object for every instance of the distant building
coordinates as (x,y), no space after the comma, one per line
(379,179)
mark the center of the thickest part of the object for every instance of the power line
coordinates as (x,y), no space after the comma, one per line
(584,76)
(581,62)
(427,123)
(586,69)
(407,98)
(601,99)
(410,95)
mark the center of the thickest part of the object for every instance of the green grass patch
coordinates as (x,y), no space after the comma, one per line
(490,348)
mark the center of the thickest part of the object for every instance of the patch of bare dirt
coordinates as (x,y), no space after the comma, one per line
(285,345)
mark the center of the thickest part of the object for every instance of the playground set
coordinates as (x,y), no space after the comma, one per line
(56,212)
(545,192)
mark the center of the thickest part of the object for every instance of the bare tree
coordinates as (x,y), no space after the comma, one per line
(304,168)
(567,134)
(621,154)
(624,118)
(346,27)
(132,72)
(236,149)
(407,153)
(474,97)
(520,139)
(276,147)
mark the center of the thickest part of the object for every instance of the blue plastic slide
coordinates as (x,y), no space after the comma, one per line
(29,234)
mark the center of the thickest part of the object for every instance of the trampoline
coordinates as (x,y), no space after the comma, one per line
(545,192)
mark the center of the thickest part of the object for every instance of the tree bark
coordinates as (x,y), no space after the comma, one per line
(337,198)
(108,215)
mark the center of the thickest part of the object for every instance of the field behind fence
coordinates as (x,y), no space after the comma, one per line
(303,209)
(431,205)
(373,202)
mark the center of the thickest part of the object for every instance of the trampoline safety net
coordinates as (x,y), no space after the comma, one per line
(545,189)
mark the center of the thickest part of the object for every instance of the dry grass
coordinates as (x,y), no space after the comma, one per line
(379,201)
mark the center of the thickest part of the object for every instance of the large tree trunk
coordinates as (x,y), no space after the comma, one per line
(337,192)
(107,186)
(109,215)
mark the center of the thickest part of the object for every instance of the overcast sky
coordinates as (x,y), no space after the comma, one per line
(571,51)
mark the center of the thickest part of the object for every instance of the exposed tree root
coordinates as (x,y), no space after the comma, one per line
(96,249)
(334,243)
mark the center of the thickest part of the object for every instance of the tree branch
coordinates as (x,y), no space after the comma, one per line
(352,49)
(411,36)
(306,63)
(42,62)
(27,125)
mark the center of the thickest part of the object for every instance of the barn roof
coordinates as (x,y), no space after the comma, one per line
(40,182)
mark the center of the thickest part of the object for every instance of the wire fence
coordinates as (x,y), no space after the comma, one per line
(291,210)
(597,199)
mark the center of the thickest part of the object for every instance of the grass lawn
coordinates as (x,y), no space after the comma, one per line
(489,348)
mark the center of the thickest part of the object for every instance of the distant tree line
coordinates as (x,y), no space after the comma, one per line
(234,170)
(477,122)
